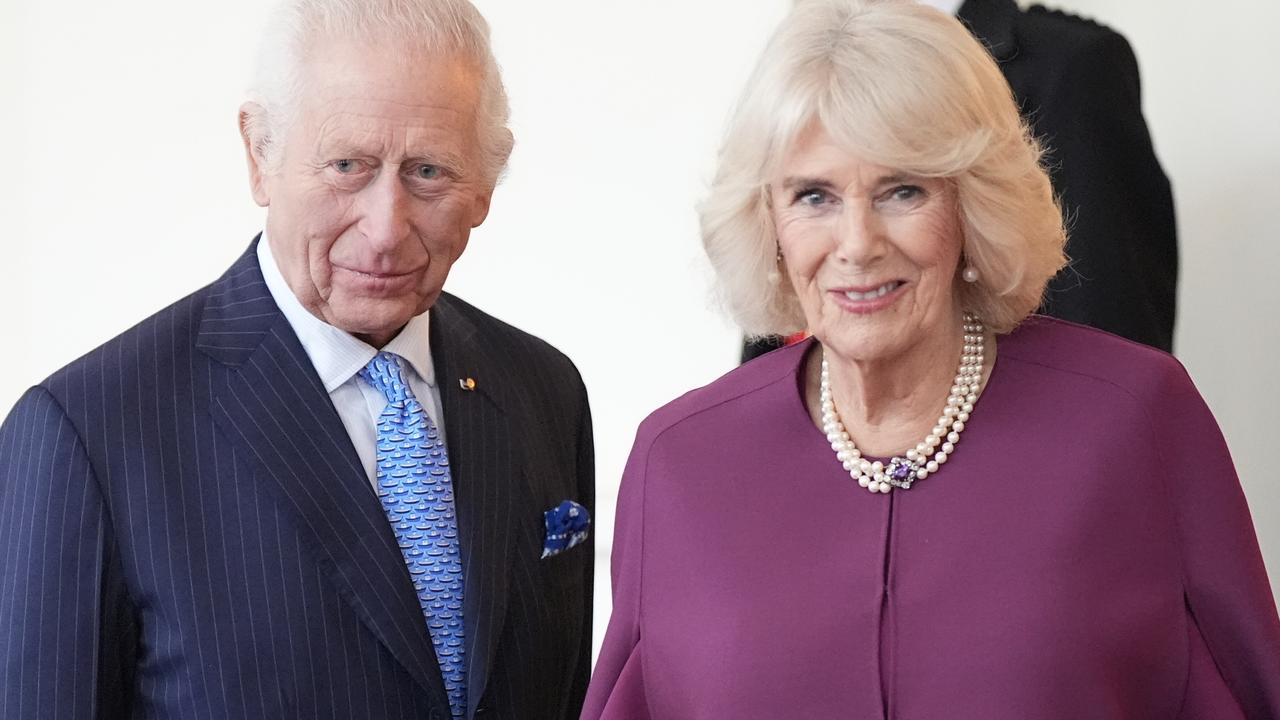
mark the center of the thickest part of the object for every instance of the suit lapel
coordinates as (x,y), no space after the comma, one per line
(273,403)
(992,22)
(483,457)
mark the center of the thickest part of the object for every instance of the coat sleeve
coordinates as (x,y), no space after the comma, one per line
(64,620)
(1225,582)
(1122,244)
(617,690)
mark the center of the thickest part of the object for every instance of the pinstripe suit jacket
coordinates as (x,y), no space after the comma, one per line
(186,530)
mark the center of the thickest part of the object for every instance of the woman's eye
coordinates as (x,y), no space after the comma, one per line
(810,197)
(906,192)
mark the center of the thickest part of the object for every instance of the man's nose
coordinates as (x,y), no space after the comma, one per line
(384,209)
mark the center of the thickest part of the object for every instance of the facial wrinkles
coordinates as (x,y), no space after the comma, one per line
(392,151)
(853,232)
(308,218)
(344,226)
(870,241)
(392,140)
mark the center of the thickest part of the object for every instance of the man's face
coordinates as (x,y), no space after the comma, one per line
(377,186)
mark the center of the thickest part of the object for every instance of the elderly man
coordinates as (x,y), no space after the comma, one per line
(319,487)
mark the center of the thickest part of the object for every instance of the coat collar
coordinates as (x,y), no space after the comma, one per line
(992,22)
(272,400)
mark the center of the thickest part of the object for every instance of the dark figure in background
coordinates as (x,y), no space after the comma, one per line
(1077,84)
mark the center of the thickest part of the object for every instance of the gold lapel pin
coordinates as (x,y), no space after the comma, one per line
(467,384)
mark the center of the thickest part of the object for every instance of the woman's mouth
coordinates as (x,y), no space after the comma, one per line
(872,294)
(869,298)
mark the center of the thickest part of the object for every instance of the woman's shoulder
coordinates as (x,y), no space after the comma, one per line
(1068,350)
(754,388)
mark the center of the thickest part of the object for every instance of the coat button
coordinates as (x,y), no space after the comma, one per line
(482,710)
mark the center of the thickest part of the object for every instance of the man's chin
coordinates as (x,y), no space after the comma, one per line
(375,320)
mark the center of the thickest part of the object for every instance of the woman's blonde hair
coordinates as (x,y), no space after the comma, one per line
(907,87)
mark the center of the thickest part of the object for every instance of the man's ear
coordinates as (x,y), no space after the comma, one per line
(253,131)
(480,210)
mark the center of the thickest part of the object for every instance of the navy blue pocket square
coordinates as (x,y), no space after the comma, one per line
(567,525)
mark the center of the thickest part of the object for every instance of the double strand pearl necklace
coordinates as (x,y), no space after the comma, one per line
(916,464)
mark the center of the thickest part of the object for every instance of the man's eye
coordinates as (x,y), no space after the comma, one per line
(345,166)
(427,172)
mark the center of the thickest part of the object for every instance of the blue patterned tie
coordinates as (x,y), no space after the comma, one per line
(417,494)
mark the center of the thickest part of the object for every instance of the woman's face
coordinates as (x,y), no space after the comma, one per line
(872,252)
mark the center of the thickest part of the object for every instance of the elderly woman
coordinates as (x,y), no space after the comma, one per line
(939,506)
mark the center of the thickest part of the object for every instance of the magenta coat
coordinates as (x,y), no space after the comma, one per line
(1086,553)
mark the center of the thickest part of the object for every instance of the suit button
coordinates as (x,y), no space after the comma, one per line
(436,714)
(482,710)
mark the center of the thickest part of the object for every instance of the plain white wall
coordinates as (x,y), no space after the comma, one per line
(125,189)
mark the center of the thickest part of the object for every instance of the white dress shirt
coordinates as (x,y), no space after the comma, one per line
(338,356)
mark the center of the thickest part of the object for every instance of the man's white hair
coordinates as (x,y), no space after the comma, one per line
(439,27)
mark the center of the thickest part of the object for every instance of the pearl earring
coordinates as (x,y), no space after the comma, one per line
(775,275)
(970,274)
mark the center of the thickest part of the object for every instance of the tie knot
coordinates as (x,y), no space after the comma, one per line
(385,374)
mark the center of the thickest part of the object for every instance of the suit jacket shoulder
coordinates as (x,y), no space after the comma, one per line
(158,337)
(521,372)
(1066,26)
(1067,49)
(529,352)
(1051,47)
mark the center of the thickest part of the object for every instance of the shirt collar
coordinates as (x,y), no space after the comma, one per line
(336,354)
